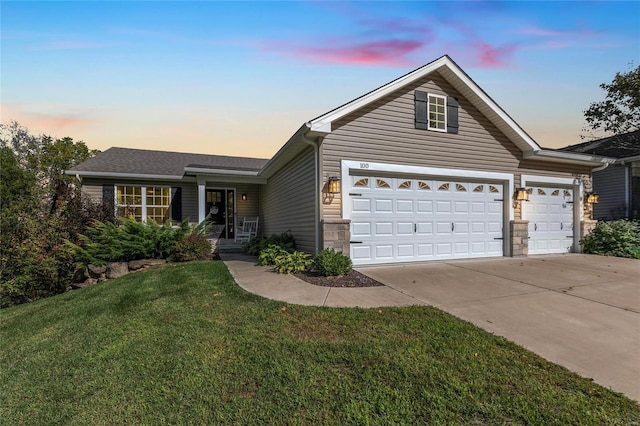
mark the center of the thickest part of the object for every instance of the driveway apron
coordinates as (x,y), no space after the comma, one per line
(580,311)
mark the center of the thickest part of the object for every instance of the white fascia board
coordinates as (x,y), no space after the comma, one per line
(628,160)
(212,177)
(122,175)
(568,157)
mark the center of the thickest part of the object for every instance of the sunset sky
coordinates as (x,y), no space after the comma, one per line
(239,78)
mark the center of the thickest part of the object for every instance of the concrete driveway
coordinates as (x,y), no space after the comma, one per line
(580,311)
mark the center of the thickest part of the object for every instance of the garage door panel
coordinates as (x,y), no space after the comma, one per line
(425,250)
(360,229)
(404,206)
(443,228)
(361,205)
(384,251)
(384,206)
(425,206)
(406,250)
(443,206)
(444,249)
(383,229)
(461,207)
(422,219)
(404,228)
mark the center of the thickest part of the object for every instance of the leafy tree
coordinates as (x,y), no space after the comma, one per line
(40,208)
(620,111)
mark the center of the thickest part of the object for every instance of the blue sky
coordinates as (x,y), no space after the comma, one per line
(239,78)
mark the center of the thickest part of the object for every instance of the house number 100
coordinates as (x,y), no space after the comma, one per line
(364,165)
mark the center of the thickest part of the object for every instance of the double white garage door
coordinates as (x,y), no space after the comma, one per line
(400,220)
(397,219)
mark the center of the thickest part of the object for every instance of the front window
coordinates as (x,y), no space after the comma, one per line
(437,114)
(153,206)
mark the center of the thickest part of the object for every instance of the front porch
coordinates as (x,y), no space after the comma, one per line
(225,245)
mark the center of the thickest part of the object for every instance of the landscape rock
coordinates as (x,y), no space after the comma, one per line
(80,274)
(117,269)
(96,271)
(134,265)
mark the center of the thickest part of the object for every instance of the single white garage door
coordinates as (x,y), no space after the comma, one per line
(402,220)
(550,215)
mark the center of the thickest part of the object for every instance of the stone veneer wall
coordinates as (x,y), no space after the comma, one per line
(336,234)
(519,237)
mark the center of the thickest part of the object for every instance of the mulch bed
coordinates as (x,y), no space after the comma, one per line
(352,279)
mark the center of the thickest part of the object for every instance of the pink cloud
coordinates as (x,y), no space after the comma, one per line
(488,56)
(386,52)
(43,121)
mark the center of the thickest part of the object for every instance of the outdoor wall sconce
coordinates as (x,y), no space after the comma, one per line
(244,197)
(592,198)
(333,185)
(521,195)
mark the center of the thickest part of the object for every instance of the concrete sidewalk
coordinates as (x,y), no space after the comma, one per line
(262,281)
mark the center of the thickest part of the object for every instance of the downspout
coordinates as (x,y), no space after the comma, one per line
(316,190)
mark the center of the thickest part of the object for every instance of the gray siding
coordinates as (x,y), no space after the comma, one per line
(251,207)
(384,132)
(288,201)
(610,185)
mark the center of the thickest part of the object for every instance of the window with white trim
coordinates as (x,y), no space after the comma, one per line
(437,113)
(154,205)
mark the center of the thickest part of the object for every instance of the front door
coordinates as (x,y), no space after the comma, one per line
(220,211)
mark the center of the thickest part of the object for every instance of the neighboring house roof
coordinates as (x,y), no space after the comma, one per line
(140,162)
(621,146)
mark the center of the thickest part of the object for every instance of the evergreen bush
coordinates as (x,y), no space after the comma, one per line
(131,240)
(620,238)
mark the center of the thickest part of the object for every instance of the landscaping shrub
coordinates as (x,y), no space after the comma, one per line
(192,247)
(292,263)
(269,254)
(107,242)
(620,238)
(255,245)
(332,263)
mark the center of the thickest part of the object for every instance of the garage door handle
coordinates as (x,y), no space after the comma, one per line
(415,228)
(452,226)
(535,226)
(561,226)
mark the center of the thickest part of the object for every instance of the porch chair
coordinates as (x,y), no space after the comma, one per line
(248,229)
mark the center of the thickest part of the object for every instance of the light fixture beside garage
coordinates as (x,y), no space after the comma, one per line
(521,195)
(592,198)
(333,185)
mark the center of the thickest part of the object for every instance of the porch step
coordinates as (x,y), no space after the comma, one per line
(221,245)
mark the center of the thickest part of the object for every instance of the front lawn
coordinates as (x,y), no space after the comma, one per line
(183,344)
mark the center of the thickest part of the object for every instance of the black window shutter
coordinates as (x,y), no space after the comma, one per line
(452,115)
(422,107)
(109,196)
(176,204)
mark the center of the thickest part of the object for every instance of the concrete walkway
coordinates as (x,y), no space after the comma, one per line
(579,311)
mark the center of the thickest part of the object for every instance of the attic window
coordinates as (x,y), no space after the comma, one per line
(436,112)
(437,117)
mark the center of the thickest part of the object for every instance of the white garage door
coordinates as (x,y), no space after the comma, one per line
(403,220)
(550,215)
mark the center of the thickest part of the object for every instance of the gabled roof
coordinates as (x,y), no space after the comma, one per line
(625,145)
(459,80)
(128,162)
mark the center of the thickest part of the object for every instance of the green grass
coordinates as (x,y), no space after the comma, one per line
(183,344)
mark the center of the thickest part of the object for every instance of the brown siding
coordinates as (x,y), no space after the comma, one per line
(384,132)
(288,201)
